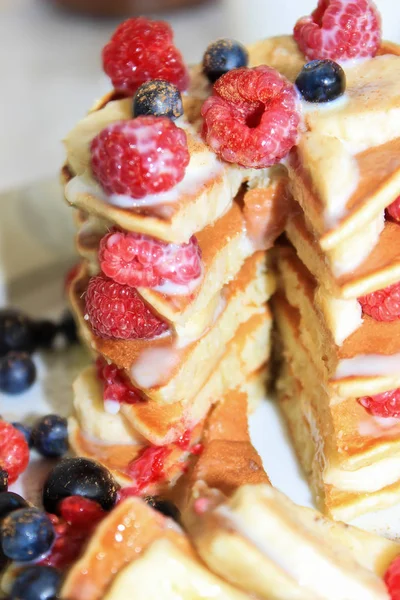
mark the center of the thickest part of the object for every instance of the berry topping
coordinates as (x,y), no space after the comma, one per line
(392,579)
(141,50)
(146,155)
(253,118)
(117,311)
(383,305)
(166,507)
(10,502)
(45,332)
(223,56)
(17,373)
(138,260)
(79,477)
(26,534)
(26,432)
(3,480)
(50,436)
(148,468)
(16,332)
(81,512)
(386,404)
(321,81)
(14,451)
(116,386)
(340,30)
(159,98)
(36,583)
(393,210)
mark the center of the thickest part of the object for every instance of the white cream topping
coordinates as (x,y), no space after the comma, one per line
(155,366)
(385,522)
(112,407)
(176,289)
(374,477)
(368,365)
(343,317)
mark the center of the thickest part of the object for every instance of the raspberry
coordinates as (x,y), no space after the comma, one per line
(14,451)
(392,579)
(148,468)
(118,312)
(253,118)
(383,305)
(146,155)
(386,404)
(393,210)
(81,512)
(340,30)
(139,260)
(116,386)
(140,50)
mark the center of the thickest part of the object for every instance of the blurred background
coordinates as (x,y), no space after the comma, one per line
(50,61)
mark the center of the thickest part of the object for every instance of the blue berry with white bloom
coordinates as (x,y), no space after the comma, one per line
(321,81)
(26,534)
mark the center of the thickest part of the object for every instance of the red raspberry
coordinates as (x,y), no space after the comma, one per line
(118,312)
(253,118)
(146,155)
(394,210)
(14,451)
(140,50)
(383,305)
(116,386)
(392,579)
(139,260)
(340,30)
(386,404)
(81,512)
(148,468)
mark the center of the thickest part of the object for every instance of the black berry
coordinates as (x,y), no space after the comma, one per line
(16,332)
(67,327)
(79,477)
(45,332)
(158,98)
(50,436)
(17,373)
(36,583)
(321,81)
(223,56)
(26,534)
(9,501)
(3,480)
(26,432)
(163,506)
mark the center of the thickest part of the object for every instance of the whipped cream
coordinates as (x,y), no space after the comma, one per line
(368,365)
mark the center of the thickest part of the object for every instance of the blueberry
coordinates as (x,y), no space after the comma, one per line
(45,332)
(158,98)
(50,436)
(3,480)
(16,332)
(79,477)
(163,506)
(67,327)
(17,373)
(26,534)
(223,56)
(36,583)
(26,432)
(9,501)
(321,81)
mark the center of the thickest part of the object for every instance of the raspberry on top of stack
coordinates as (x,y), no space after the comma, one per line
(337,308)
(179,192)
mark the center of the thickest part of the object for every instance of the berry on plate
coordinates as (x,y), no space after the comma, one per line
(36,582)
(26,432)
(139,260)
(16,332)
(79,477)
(222,56)
(340,30)
(3,480)
(26,534)
(382,305)
(392,579)
(14,451)
(253,117)
(141,50)
(393,210)
(118,312)
(116,386)
(321,81)
(165,507)
(50,436)
(159,98)
(17,373)
(146,155)
(45,332)
(386,404)
(9,501)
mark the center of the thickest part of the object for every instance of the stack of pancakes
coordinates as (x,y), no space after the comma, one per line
(219,330)
(343,174)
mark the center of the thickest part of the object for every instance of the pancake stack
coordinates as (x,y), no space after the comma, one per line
(217,336)
(343,246)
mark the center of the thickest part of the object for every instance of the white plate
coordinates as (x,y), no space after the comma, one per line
(36,249)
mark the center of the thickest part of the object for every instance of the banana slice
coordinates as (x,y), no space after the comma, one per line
(261,542)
